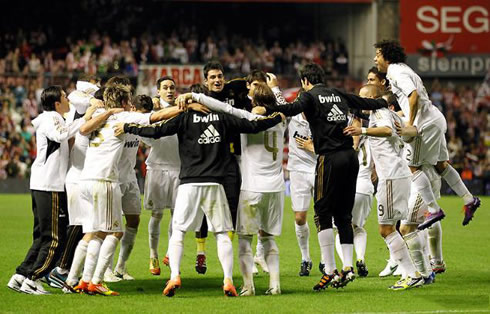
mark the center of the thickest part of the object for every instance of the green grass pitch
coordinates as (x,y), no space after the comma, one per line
(464,288)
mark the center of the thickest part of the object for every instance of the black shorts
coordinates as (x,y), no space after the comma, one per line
(335,187)
(232,184)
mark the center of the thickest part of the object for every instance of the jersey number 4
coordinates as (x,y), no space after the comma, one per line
(273,149)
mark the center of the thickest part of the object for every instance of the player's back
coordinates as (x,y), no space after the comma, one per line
(105,149)
(387,152)
(261,162)
(300,159)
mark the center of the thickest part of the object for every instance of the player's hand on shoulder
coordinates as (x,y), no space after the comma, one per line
(407,132)
(271,80)
(118,128)
(97,103)
(283,117)
(199,108)
(259,110)
(183,101)
(352,130)
(115,110)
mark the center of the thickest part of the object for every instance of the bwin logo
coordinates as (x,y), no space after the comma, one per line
(336,114)
(333,98)
(210,117)
(209,136)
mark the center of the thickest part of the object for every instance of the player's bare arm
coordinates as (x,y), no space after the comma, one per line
(383,131)
(413,103)
(93,123)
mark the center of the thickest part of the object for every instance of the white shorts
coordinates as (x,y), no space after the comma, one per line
(392,197)
(101,203)
(416,206)
(260,211)
(161,189)
(131,202)
(429,146)
(302,184)
(361,209)
(75,210)
(195,201)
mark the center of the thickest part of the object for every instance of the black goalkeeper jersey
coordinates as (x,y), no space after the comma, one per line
(203,141)
(326,110)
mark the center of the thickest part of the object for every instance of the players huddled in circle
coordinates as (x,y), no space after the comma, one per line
(216,163)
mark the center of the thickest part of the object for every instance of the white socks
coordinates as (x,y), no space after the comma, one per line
(452,178)
(327,242)
(271,254)
(127,244)
(93,250)
(415,242)
(259,250)
(360,242)
(399,251)
(421,184)
(154,233)
(76,265)
(347,253)
(225,253)
(303,236)
(106,254)
(246,260)
(435,241)
(175,251)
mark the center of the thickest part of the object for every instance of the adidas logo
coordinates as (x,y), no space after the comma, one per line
(336,114)
(209,136)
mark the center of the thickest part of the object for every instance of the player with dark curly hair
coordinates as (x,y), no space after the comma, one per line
(424,131)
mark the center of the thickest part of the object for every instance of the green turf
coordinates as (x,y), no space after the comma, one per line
(465,287)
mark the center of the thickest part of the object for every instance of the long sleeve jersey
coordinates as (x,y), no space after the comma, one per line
(203,141)
(326,109)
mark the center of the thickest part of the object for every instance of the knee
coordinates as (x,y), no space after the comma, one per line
(406,229)
(386,230)
(300,218)
(245,244)
(156,214)
(270,246)
(118,235)
(132,221)
(441,166)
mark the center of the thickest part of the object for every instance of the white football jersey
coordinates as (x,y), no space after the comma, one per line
(364,184)
(261,161)
(128,159)
(105,149)
(387,152)
(403,81)
(300,159)
(48,171)
(77,154)
(164,152)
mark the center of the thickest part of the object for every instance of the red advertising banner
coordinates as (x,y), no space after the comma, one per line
(440,26)
(184,75)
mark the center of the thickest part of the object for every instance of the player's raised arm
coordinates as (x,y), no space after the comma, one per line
(167,127)
(254,126)
(357,102)
(165,114)
(301,104)
(220,106)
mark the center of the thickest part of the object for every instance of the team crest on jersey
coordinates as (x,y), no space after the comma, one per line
(336,114)
(209,136)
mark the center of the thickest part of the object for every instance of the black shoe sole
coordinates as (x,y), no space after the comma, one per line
(422,227)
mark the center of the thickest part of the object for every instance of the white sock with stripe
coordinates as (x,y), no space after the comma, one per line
(435,241)
(421,184)
(225,254)
(399,250)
